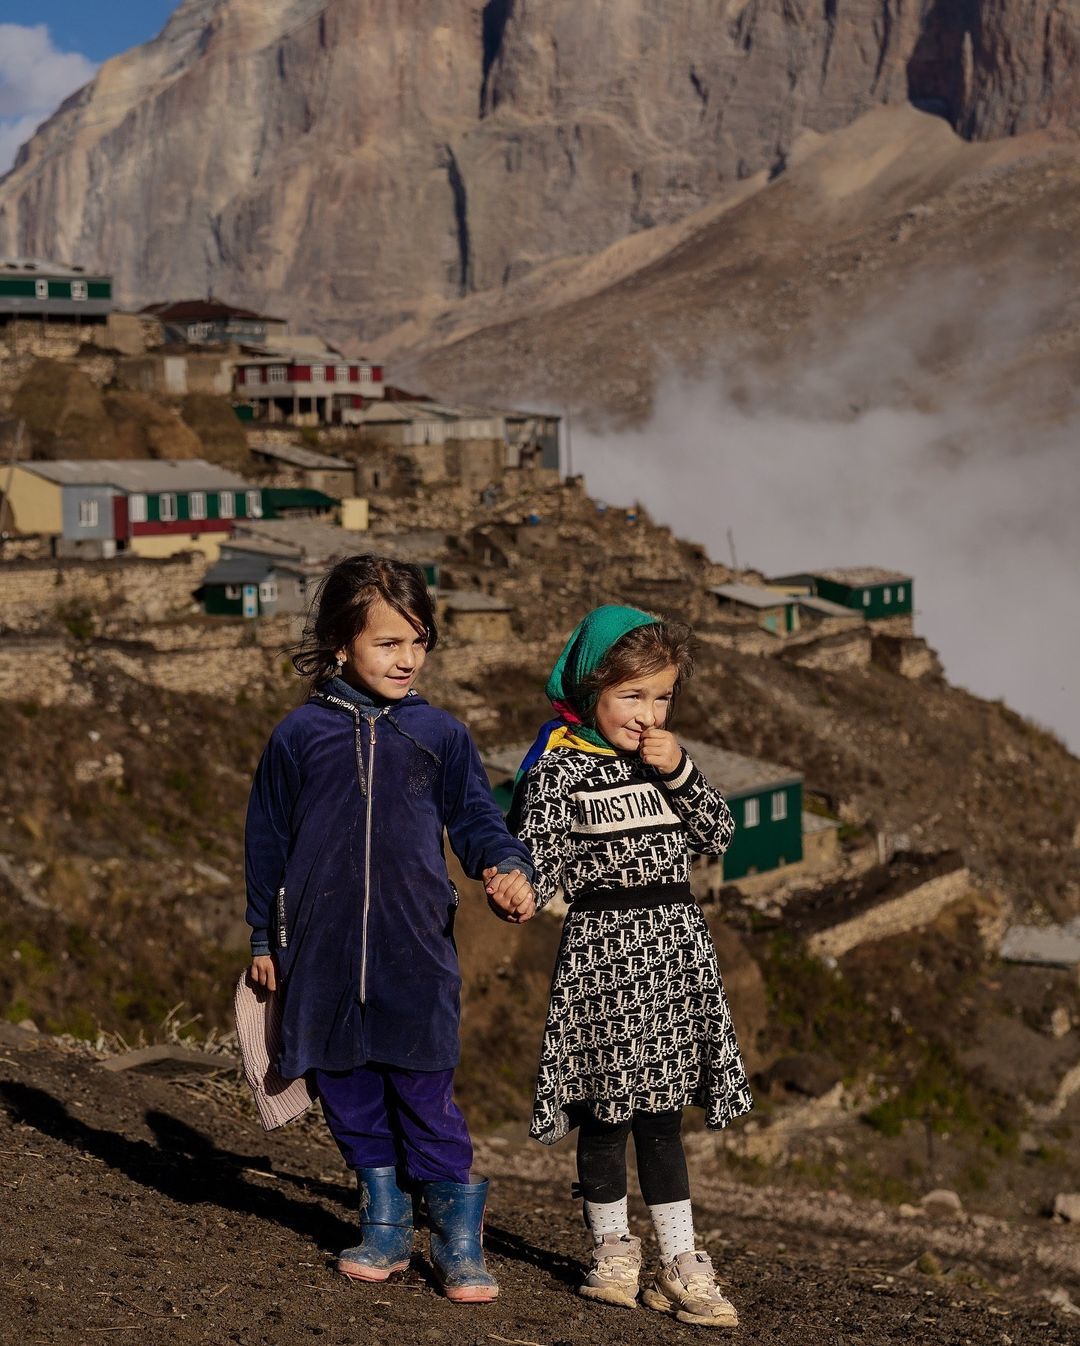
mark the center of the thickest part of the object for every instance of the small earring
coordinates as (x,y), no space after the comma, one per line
(339,664)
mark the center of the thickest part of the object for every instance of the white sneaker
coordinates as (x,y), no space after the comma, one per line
(687,1289)
(616,1265)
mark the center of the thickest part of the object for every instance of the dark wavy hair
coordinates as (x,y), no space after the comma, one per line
(641,653)
(343,600)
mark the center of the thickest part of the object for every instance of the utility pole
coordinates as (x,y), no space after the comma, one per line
(731,548)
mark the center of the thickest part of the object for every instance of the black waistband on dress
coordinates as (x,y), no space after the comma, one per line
(597,898)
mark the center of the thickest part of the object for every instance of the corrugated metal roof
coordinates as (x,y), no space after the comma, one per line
(852,575)
(471,600)
(861,575)
(752,595)
(37,266)
(301,344)
(302,539)
(299,456)
(826,606)
(251,569)
(204,310)
(399,413)
(139,474)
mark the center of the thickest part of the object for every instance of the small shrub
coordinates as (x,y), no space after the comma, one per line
(78,617)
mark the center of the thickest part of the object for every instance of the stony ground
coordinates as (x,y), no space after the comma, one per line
(147,1209)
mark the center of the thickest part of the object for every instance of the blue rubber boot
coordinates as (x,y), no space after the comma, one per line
(386,1228)
(456,1213)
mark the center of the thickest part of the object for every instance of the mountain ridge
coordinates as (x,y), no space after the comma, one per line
(334,161)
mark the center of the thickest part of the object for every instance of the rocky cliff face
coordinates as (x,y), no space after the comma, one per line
(346,160)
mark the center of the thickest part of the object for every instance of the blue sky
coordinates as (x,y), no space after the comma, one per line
(50,48)
(95,29)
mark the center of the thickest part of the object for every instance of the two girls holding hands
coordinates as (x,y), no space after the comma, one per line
(352,913)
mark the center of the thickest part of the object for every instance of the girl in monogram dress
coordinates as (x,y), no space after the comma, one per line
(638,1025)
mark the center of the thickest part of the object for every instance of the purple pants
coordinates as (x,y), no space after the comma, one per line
(383,1117)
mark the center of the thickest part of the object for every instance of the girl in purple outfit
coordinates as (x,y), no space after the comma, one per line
(352,913)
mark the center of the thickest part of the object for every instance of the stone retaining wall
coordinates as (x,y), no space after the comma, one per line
(907,656)
(273,634)
(44,672)
(918,907)
(849,648)
(52,672)
(143,590)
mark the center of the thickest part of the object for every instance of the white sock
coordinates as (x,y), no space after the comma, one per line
(607,1217)
(674,1225)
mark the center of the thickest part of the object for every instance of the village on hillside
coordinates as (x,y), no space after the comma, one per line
(321,456)
(174,484)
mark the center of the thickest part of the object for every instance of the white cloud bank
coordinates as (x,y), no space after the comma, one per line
(35,79)
(830,467)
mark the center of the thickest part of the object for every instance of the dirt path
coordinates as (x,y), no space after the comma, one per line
(138,1209)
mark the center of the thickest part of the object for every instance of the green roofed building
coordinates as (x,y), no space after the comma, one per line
(880,595)
(286,502)
(37,289)
(766,803)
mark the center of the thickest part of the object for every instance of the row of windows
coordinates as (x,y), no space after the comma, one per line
(168,511)
(280,374)
(79,289)
(267,591)
(886,595)
(752,809)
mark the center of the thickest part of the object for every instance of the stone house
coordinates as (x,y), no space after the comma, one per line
(177,373)
(472,617)
(209,322)
(775,612)
(472,445)
(297,465)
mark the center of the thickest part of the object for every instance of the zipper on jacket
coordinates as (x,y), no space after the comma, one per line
(367,850)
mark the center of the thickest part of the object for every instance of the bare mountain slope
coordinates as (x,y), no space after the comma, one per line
(344,160)
(863,220)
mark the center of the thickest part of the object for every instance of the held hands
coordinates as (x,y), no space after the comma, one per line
(263,972)
(510,896)
(660,749)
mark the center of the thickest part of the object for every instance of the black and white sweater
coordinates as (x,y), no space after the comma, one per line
(595,822)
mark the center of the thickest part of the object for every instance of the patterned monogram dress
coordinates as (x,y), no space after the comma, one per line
(638,1019)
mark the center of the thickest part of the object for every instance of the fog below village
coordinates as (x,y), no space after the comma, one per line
(978,503)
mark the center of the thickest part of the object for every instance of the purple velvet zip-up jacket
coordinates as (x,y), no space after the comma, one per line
(347,881)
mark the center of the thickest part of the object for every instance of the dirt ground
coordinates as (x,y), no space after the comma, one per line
(143,1208)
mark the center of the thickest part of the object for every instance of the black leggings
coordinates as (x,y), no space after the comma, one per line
(601,1157)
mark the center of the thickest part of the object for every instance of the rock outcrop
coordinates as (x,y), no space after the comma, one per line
(343,160)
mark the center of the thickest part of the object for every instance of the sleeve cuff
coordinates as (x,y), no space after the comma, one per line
(675,780)
(515,862)
(260,945)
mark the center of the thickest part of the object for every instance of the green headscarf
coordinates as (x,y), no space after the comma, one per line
(582,655)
